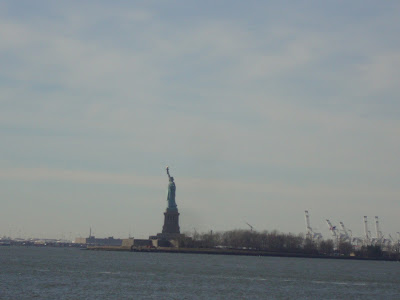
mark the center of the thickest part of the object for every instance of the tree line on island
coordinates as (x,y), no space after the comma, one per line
(277,242)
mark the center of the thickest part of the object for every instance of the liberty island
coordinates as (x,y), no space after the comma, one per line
(239,242)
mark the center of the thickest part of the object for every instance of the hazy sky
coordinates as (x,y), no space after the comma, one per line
(261,109)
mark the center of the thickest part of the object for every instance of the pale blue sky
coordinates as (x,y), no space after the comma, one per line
(261,109)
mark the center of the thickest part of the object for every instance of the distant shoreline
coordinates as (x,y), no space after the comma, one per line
(240,252)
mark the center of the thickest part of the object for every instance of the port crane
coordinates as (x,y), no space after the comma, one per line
(334,232)
(332,228)
(366,232)
(310,233)
(379,235)
(251,227)
(346,231)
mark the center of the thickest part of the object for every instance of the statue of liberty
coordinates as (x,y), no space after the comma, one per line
(171,193)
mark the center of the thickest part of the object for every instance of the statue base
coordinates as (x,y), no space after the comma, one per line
(171,222)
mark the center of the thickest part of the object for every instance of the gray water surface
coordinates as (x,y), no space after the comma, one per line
(64,273)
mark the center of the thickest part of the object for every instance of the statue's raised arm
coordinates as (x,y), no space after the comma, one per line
(169,177)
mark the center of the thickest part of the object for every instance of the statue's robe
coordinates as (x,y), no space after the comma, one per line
(171,195)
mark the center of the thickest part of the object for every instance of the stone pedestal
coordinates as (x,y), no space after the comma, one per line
(171,222)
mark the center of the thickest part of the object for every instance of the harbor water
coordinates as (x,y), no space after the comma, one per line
(69,273)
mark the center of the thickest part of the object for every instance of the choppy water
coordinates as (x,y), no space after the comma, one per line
(63,273)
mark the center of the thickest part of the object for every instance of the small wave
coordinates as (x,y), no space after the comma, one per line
(339,283)
(107,272)
(353,283)
(246,278)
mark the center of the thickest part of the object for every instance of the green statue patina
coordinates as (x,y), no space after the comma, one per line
(171,193)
